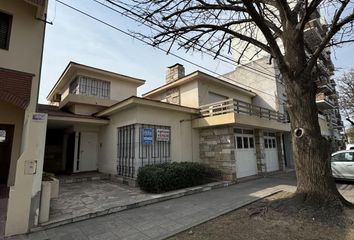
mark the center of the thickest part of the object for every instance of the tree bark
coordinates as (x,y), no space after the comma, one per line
(311,151)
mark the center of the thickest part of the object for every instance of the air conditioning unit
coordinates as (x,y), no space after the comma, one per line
(57,97)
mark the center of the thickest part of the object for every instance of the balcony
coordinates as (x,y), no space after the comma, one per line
(233,111)
(313,32)
(324,85)
(324,102)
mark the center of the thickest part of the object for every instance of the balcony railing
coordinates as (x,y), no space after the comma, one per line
(240,107)
(324,102)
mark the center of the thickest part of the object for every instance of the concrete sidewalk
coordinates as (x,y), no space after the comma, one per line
(164,219)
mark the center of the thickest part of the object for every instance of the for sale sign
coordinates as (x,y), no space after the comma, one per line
(147,136)
(162,135)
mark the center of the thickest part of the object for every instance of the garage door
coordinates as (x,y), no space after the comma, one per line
(271,152)
(245,153)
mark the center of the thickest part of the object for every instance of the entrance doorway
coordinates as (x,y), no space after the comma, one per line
(246,162)
(6,137)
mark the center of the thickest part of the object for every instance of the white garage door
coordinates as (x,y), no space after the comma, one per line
(271,152)
(245,153)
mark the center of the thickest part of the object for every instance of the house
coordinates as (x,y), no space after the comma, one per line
(237,135)
(22,129)
(97,123)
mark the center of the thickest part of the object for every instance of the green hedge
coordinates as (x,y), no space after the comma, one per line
(171,176)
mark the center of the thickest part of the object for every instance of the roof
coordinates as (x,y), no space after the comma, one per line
(146,102)
(55,111)
(194,75)
(86,67)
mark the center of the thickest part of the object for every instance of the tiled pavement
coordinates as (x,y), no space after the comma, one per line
(77,199)
(164,219)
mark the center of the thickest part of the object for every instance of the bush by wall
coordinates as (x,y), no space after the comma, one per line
(171,176)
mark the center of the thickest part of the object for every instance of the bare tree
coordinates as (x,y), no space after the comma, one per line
(277,28)
(346,92)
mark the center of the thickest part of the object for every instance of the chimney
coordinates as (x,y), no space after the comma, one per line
(174,72)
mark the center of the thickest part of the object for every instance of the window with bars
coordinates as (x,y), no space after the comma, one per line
(90,87)
(5,29)
(135,151)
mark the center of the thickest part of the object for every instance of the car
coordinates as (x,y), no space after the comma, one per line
(342,163)
(350,146)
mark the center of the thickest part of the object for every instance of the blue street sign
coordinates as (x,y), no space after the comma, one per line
(147,136)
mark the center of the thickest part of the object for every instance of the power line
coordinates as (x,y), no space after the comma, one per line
(142,22)
(157,47)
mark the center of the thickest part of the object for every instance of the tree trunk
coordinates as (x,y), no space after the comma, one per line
(315,183)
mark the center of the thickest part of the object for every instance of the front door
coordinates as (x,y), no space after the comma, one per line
(271,152)
(88,151)
(6,136)
(245,153)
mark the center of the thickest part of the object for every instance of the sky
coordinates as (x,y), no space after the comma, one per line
(75,37)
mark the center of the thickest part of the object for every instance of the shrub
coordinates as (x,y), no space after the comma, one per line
(171,176)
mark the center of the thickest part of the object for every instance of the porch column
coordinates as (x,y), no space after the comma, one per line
(260,153)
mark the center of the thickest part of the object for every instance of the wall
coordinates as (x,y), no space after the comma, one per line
(13,115)
(269,91)
(205,86)
(25,48)
(217,149)
(184,140)
(189,94)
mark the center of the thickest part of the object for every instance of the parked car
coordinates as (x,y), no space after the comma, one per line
(350,146)
(342,163)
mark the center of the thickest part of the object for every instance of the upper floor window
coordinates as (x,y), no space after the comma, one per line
(90,87)
(5,29)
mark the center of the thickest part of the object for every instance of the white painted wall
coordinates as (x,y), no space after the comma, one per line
(184,139)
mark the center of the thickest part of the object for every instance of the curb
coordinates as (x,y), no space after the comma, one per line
(157,198)
(243,204)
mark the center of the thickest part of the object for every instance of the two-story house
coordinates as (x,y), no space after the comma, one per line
(96,123)
(22,130)
(237,134)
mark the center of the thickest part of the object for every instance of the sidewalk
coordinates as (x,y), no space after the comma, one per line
(164,219)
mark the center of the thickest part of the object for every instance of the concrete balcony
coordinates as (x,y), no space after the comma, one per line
(233,111)
(324,102)
(325,85)
(313,32)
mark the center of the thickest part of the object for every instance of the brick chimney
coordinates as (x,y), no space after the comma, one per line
(174,72)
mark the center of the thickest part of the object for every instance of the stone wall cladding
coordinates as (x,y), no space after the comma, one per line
(15,87)
(260,153)
(217,149)
(280,149)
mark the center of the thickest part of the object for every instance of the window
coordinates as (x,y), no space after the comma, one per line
(2,136)
(266,143)
(239,142)
(251,142)
(274,143)
(90,87)
(245,142)
(5,29)
(343,157)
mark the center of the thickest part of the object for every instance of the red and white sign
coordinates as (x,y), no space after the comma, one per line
(162,135)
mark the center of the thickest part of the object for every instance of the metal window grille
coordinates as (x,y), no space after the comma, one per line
(126,151)
(90,87)
(134,153)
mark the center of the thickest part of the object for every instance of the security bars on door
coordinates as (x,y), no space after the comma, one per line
(140,145)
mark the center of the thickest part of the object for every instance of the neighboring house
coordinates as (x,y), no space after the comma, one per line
(22,130)
(270,88)
(237,134)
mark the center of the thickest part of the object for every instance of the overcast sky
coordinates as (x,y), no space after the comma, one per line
(75,37)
